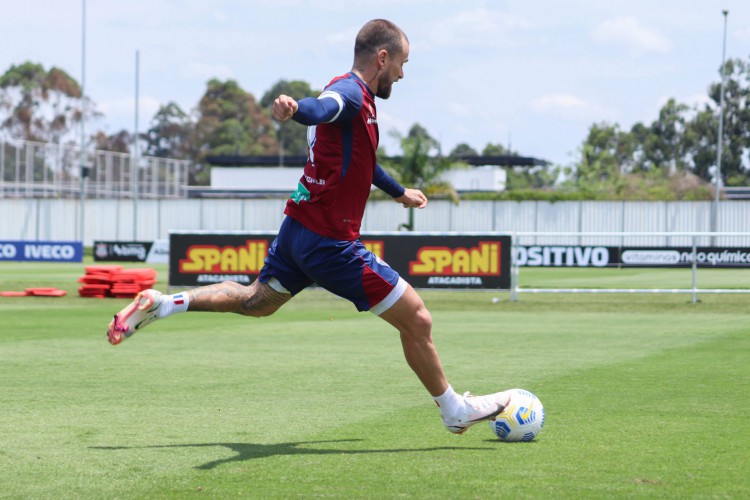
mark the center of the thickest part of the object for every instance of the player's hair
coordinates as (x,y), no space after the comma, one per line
(376,35)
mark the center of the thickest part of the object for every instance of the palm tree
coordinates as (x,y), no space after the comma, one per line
(422,166)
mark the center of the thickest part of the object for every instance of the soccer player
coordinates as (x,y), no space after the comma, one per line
(318,242)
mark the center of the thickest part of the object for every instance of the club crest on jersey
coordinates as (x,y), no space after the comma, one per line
(371,118)
(300,194)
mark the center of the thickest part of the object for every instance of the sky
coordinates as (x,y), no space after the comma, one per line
(534,75)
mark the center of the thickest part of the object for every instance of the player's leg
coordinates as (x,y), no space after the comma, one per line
(258,299)
(351,271)
(279,280)
(414,323)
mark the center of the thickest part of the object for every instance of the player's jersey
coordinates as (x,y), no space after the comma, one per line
(331,195)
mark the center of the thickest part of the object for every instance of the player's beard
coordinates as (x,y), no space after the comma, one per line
(385,86)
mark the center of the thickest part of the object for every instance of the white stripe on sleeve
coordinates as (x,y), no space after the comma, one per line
(336,97)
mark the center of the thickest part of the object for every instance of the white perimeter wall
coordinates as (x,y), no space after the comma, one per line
(46,219)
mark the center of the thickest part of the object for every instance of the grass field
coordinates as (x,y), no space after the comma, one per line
(646,396)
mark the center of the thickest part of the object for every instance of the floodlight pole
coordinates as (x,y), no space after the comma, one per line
(720,138)
(136,156)
(83,120)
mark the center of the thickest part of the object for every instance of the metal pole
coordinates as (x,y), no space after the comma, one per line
(695,270)
(134,167)
(2,169)
(720,138)
(83,121)
(513,269)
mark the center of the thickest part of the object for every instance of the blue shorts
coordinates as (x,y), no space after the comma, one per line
(299,257)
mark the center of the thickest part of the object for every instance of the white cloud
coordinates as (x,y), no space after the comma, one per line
(119,109)
(478,28)
(630,33)
(206,71)
(346,36)
(459,109)
(743,35)
(220,16)
(570,107)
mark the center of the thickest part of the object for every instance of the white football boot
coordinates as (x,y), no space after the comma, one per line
(477,409)
(139,313)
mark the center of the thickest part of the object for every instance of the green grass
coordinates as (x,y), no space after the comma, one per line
(646,396)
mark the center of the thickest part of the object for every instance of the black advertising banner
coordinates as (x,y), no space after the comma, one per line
(449,261)
(131,251)
(206,258)
(424,260)
(566,256)
(601,256)
(720,257)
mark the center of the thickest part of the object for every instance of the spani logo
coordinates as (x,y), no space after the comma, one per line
(481,260)
(215,259)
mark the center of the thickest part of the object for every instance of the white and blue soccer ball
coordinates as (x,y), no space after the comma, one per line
(521,420)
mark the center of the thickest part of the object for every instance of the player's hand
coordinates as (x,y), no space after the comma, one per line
(283,108)
(412,198)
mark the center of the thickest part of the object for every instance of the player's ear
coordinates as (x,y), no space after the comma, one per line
(382,57)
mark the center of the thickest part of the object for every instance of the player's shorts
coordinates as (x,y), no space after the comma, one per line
(299,257)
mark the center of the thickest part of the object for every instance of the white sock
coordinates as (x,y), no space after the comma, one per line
(173,304)
(450,402)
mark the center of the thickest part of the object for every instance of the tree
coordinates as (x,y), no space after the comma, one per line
(462,150)
(606,155)
(291,136)
(230,121)
(496,150)
(422,165)
(170,134)
(118,142)
(736,140)
(678,149)
(41,105)
(664,147)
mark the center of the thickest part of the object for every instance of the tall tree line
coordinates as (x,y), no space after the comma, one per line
(677,150)
(680,144)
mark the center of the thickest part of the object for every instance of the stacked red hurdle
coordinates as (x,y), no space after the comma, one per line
(35,292)
(102,281)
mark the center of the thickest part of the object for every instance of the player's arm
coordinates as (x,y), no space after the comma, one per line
(313,111)
(412,198)
(307,111)
(408,197)
(340,101)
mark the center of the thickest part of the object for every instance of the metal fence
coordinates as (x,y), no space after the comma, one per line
(576,223)
(44,170)
(651,249)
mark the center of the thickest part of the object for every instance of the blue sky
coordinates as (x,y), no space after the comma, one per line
(535,74)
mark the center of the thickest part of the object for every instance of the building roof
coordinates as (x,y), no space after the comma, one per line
(300,160)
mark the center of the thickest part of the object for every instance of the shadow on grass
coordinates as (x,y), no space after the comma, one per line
(250,451)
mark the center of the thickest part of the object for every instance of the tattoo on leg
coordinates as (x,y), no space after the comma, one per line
(221,297)
(255,300)
(264,300)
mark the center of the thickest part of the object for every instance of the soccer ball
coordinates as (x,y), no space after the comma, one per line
(521,420)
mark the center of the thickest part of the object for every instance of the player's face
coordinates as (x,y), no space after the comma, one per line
(392,72)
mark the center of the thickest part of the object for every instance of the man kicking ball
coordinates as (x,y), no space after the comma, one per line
(318,242)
